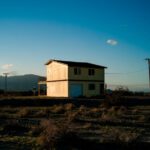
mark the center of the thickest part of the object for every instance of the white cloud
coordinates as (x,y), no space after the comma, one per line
(112,42)
(7,66)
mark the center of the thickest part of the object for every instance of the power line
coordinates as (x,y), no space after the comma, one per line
(124,73)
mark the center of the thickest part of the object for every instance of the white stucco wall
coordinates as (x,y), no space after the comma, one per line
(57,75)
(56,71)
(57,89)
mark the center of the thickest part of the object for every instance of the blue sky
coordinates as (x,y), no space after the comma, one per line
(113,33)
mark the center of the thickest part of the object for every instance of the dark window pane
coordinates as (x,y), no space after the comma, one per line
(77,71)
(91,87)
(91,72)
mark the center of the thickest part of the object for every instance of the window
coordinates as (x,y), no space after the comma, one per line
(91,72)
(77,71)
(91,87)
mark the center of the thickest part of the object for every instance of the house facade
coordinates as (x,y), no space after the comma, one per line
(74,79)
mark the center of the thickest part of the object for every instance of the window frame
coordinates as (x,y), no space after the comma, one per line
(91,71)
(77,71)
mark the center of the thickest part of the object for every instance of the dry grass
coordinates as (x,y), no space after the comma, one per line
(57,109)
(143,118)
(135,111)
(128,137)
(54,135)
(69,107)
(86,120)
(114,113)
(95,110)
(8,109)
(25,112)
(119,135)
(44,112)
(49,134)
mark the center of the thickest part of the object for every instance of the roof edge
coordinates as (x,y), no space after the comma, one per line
(65,62)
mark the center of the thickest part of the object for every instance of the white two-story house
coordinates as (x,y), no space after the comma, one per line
(74,79)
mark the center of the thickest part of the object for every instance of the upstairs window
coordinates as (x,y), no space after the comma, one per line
(91,72)
(91,86)
(77,71)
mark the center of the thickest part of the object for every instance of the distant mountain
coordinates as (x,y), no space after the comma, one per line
(21,83)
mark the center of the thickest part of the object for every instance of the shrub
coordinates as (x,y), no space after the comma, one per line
(72,116)
(119,135)
(95,110)
(128,137)
(135,111)
(58,109)
(114,113)
(69,107)
(9,109)
(48,136)
(92,112)
(82,110)
(143,118)
(87,126)
(110,114)
(116,96)
(105,104)
(42,113)
(54,136)
(122,110)
(24,112)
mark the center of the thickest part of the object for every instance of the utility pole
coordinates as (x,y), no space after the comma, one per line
(6,75)
(148,60)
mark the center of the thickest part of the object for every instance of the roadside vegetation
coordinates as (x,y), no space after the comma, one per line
(69,126)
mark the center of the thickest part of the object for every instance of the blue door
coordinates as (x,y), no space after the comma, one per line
(76,90)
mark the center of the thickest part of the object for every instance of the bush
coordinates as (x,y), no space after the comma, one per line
(143,118)
(48,136)
(116,96)
(69,107)
(24,112)
(54,136)
(119,135)
(127,137)
(42,113)
(114,113)
(72,116)
(58,109)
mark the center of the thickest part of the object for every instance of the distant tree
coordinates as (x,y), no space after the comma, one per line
(117,95)
(121,88)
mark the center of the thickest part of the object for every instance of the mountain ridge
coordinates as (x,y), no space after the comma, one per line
(21,82)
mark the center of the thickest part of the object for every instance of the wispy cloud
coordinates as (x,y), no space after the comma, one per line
(112,42)
(7,66)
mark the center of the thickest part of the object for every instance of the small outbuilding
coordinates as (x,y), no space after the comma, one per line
(74,79)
